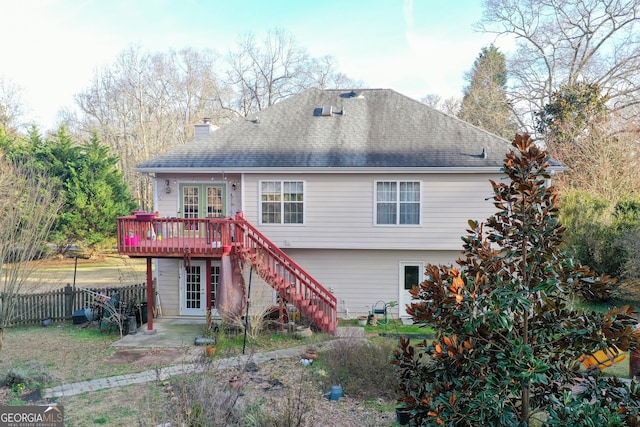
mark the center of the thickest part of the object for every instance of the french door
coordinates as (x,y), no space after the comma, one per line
(193,288)
(202,201)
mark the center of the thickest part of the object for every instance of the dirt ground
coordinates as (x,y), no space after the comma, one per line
(71,356)
(149,357)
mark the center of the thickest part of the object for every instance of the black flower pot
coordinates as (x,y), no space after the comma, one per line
(402,416)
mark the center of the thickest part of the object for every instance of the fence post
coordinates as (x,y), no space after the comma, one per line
(68,302)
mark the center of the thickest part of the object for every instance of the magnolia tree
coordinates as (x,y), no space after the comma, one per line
(509,345)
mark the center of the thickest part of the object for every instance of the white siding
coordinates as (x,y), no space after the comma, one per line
(168,203)
(339,244)
(262,295)
(360,278)
(339,212)
(168,286)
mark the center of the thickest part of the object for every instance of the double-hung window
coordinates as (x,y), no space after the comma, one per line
(397,202)
(282,202)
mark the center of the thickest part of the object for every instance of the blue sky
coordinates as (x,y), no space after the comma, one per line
(51,48)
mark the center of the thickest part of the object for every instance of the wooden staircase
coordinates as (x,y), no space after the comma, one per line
(292,283)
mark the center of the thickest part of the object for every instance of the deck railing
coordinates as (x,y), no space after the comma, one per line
(172,237)
(291,281)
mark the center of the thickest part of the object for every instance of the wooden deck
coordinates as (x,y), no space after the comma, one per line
(152,237)
(174,237)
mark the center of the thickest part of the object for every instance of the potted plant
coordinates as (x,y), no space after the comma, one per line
(311,353)
(403,415)
(362,320)
(210,350)
(372,320)
(235,384)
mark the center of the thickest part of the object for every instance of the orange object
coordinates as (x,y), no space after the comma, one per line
(602,358)
(210,350)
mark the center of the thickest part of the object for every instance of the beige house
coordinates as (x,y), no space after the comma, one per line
(360,189)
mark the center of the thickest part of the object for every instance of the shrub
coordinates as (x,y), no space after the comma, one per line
(32,375)
(361,368)
(602,234)
(290,410)
(203,400)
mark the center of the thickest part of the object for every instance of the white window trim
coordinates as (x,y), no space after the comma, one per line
(304,203)
(375,203)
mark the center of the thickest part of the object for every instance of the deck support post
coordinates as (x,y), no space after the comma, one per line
(150,296)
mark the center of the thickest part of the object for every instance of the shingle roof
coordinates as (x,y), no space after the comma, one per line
(369,128)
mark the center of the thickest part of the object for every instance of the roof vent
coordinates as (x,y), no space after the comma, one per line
(483,154)
(327,110)
(204,129)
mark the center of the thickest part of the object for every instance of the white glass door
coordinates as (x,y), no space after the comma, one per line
(193,289)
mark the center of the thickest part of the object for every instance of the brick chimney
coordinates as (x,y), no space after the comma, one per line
(204,129)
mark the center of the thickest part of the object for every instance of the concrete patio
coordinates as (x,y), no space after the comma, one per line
(167,332)
(181,332)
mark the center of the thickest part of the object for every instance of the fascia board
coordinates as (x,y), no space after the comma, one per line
(319,170)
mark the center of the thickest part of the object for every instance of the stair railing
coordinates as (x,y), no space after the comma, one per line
(290,280)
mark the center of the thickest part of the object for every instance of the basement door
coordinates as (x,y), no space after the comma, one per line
(411,274)
(193,288)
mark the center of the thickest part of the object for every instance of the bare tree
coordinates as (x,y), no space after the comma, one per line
(263,73)
(322,73)
(596,144)
(11,106)
(563,41)
(145,104)
(603,162)
(29,206)
(449,106)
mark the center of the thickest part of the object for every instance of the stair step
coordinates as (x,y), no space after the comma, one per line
(310,298)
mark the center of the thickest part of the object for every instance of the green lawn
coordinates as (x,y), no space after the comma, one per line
(393,327)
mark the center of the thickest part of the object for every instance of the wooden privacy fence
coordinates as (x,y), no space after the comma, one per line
(59,305)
